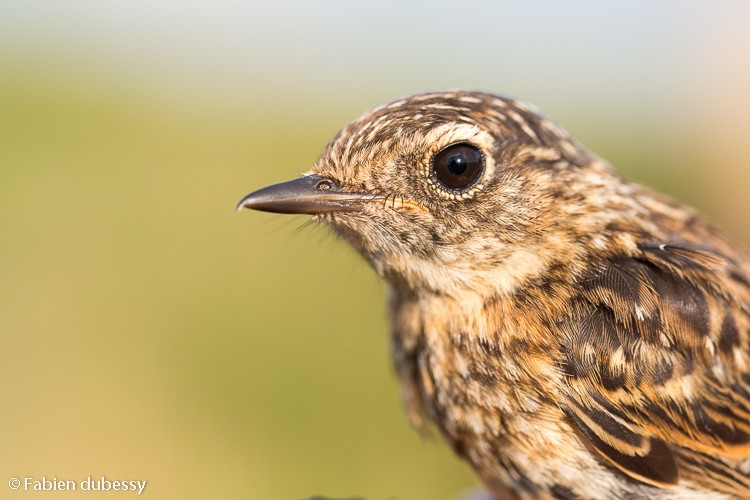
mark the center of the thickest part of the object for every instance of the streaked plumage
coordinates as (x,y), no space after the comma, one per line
(573,335)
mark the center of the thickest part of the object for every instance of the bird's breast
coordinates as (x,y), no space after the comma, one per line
(473,368)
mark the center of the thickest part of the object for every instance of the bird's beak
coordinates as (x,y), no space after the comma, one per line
(311,194)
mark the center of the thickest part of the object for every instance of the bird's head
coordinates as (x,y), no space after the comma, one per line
(450,190)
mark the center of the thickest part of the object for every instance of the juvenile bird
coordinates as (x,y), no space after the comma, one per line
(572,334)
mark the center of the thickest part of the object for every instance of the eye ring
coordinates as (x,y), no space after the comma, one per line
(457,167)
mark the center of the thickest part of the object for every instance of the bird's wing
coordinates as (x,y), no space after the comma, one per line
(656,361)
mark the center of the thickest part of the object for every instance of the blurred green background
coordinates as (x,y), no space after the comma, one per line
(147,331)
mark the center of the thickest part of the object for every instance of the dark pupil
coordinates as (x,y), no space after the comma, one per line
(458,167)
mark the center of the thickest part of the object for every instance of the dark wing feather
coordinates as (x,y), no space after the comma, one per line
(655,349)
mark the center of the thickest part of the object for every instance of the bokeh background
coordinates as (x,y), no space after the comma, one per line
(147,331)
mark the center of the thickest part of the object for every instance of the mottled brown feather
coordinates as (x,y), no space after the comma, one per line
(655,308)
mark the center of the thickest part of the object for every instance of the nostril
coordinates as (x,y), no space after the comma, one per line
(324,185)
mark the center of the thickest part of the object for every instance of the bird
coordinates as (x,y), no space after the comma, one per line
(570,334)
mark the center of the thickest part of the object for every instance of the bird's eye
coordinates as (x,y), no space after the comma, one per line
(458,167)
